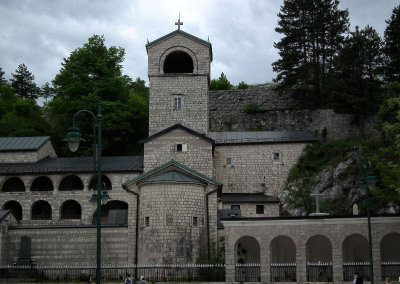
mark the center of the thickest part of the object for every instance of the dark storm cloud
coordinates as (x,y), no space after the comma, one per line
(41,33)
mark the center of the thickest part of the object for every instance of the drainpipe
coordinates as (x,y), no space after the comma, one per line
(208,222)
(137,226)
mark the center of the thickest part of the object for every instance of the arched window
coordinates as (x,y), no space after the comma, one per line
(71,209)
(247,251)
(15,207)
(42,183)
(390,256)
(13,184)
(41,210)
(71,182)
(105,209)
(355,257)
(355,249)
(390,247)
(319,259)
(178,62)
(104,179)
(283,259)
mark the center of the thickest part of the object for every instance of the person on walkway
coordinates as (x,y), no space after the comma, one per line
(142,280)
(387,280)
(357,278)
(128,279)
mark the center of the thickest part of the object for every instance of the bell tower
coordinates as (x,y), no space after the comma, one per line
(179,75)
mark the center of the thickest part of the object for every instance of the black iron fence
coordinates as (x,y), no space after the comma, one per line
(247,272)
(319,272)
(390,269)
(363,268)
(283,272)
(153,273)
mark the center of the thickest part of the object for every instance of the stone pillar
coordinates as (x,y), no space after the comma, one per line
(376,254)
(301,261)
(265,262)
(337,261)
(132,217)
(229,257)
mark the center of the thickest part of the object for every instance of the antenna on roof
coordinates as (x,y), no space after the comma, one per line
(147,41)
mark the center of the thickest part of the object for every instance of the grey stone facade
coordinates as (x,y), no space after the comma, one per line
(252,167)
(192,88)
(28,156)
(70,246)
(162,149)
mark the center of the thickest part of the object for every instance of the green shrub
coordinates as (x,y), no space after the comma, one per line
(242,86)
(252,108)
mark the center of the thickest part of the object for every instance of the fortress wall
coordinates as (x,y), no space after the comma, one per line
(278,112)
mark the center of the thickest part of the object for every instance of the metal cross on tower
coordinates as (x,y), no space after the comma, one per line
(179,23)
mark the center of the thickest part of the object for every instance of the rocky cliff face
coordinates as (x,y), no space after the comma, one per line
(229,111)
(337,186)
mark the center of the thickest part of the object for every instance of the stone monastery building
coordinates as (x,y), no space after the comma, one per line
(190,188)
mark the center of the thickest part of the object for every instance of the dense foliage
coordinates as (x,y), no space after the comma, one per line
(392,44)
(91,72)
(313,32)
(303,177)
(358,73)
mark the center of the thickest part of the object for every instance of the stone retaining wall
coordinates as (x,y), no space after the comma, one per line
(70,246)
(278,112)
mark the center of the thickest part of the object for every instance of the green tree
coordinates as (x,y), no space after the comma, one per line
(23,119)
(47,91)
(2,79)
(389,113)
(23,83)
(358,73)
(313,31)
(139,87)
(93,69)
(242,86)
(392,46)
(222,83)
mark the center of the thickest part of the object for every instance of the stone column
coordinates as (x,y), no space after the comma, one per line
(301,261)
(376,254)
(265,262)
(337,261)
(229,257)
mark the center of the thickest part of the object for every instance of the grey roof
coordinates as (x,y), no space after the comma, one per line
(175,165)
(22,143)
(4,213)
(249,137)
(179,32)
(174,176)
(248,198)
(78,164)
(177,126)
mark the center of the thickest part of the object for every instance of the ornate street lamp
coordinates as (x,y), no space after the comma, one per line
(367,182)
(74,138)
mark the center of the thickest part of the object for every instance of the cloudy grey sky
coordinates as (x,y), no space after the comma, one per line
(41,33)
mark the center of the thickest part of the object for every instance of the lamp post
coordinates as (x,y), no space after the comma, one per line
(366,182)
(74,138)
